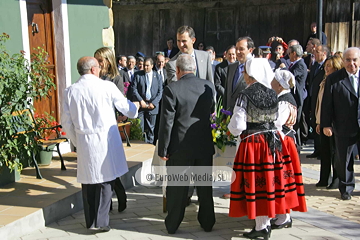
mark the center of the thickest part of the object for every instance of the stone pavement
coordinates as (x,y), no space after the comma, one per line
(328,217)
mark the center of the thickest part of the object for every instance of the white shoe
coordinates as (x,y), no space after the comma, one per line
(102,229)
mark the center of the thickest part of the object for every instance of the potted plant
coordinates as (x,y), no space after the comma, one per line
(47,128)
(21,82)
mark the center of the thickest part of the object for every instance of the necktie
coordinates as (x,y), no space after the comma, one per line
(161,75)
(148,92)
(131,76)
(291,65)
(354,83)
(237,75)
(317,69)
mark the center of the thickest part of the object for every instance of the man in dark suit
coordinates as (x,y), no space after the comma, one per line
(147,89)
(299,69)
(185,139)
(235,82)
(171,50)
(160,67)
(221,71)
(340,115)
(316,75)
(185,41)
(313,28)
(128,74)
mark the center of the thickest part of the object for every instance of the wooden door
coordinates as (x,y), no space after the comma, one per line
(220,29)
(40,29)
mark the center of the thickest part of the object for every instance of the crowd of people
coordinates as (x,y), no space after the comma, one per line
(275,92)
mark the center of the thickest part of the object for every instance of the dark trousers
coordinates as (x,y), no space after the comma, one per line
(327,158)
(148,121)
(297,125)
(344,163)
(120,194)
(96,200)
(176,199)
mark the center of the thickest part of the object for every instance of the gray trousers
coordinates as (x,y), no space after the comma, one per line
(97,200)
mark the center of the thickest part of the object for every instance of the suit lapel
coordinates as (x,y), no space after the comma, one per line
(347,83)
(238,84)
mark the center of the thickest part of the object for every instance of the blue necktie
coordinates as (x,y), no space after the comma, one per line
(131,76)
(237,76)
(148,92)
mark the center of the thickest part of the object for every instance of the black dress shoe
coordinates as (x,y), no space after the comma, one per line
(265,233)
(122,207)
(287,224)
(320,184)
(333,186)
(313,155)
(346,196)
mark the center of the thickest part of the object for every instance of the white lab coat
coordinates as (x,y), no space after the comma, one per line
(88,118)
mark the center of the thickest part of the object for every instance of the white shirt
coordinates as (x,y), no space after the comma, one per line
(88,118)
(283,113)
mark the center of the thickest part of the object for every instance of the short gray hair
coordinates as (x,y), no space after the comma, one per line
(85,64)
(297,49)
(186,63)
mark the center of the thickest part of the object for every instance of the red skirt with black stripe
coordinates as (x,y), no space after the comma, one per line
(295,160)
(263,186)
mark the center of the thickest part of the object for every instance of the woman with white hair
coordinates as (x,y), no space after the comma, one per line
(283,81)
(265,183)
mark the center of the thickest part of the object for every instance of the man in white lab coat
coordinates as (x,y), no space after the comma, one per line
(89,121)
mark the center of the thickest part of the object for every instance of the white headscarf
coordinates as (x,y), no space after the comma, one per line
(285,78)
(259,68)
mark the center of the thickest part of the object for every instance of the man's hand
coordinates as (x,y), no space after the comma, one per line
(328,131)
(151,106)
(143,104)
(164,158)
(318,129)
(292,117)
(282,65)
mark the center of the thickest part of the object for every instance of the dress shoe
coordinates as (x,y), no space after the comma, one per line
(313,155)
(207,229)
(320,184)
(122,207)
(265,233)
(333,186)
(287,224)
(346,196)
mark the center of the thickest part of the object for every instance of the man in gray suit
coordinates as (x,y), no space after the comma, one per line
(185,42)
(235,82)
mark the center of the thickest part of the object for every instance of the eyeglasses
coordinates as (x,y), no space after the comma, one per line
(98,66)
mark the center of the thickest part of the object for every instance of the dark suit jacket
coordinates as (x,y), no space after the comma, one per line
(173,52)
(230,96)
(313,89)
(139,90)
(185,130)
(299,70)
(203,64)
(340,105)
(164,73)
(220,77)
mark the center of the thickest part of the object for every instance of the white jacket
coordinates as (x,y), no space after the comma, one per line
(88,118)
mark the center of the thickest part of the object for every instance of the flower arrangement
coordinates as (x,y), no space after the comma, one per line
(126,87)
(220,133)
(47,126)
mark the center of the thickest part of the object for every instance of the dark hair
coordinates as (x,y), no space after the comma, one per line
(210,48)
(315,41)
(250,42)
(149,59)
(170,39)
(119,57)
(183,29)
(258,52)
(230,47)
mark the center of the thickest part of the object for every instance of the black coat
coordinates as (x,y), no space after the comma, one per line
(299,70)
(340,105)
(314,85)
(185,131)
(220,77)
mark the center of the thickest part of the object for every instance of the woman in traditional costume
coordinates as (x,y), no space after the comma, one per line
(284,80)
(265,182)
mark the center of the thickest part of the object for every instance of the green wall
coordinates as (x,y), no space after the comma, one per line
(86,21)
(10,23)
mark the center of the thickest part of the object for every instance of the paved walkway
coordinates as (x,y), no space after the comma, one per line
(328,217)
